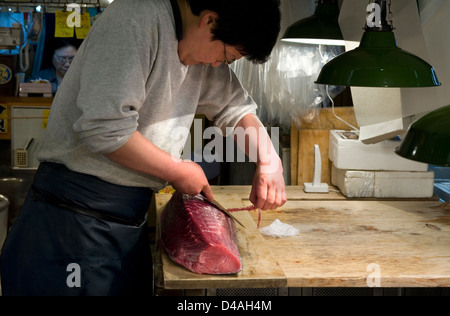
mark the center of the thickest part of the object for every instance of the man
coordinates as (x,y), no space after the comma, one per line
(146,68)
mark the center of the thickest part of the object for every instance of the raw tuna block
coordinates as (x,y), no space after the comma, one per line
(198,236)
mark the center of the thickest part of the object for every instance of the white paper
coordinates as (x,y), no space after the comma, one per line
(279,230)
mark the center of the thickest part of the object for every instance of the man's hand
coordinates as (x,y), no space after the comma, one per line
(268,188)
(192,180)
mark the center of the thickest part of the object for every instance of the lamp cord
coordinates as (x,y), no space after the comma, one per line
(390,14)
(334,113)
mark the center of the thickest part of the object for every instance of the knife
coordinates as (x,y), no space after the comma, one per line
(223,209)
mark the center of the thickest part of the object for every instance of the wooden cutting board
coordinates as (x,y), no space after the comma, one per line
(349,243)
(342,243)
(260,269)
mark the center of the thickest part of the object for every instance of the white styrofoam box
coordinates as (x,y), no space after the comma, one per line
(28,122)
(383,184)
(347,152)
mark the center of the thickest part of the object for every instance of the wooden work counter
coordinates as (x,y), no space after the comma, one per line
(342,243)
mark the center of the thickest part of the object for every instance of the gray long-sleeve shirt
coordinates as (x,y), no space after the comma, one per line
(127,77)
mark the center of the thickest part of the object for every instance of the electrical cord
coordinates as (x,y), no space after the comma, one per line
(334,113)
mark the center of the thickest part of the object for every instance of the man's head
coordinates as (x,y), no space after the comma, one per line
(248,28)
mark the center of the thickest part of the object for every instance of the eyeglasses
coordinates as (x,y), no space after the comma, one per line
(226,61)
(64,59)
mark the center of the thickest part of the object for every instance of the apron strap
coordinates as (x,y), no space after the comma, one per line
(87,212)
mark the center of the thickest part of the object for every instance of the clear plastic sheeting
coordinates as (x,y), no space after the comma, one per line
(284,87)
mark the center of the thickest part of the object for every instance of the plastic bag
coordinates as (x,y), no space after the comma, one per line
(279,230)
(284,87)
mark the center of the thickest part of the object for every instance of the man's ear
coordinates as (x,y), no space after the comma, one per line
(209,19)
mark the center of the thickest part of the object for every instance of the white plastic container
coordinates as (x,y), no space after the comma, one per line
(348,153)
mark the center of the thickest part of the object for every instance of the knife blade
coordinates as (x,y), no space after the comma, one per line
(223,210)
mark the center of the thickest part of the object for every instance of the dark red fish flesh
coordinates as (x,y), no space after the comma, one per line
(198,236)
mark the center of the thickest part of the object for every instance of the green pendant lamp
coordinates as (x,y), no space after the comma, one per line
(322,28)
(379,62)
(428,139)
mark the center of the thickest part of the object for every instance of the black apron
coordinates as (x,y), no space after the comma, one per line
(78,235)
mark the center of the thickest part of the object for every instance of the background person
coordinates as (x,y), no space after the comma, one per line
(57,62)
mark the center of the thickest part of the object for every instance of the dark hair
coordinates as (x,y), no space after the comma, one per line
(56,43)
(252,26)
(64,42)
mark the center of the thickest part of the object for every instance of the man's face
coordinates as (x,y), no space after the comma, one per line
(197,46)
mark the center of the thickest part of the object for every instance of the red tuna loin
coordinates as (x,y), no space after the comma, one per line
(197,235)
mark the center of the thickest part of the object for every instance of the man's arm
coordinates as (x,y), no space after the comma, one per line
(268,187)
(142,155)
